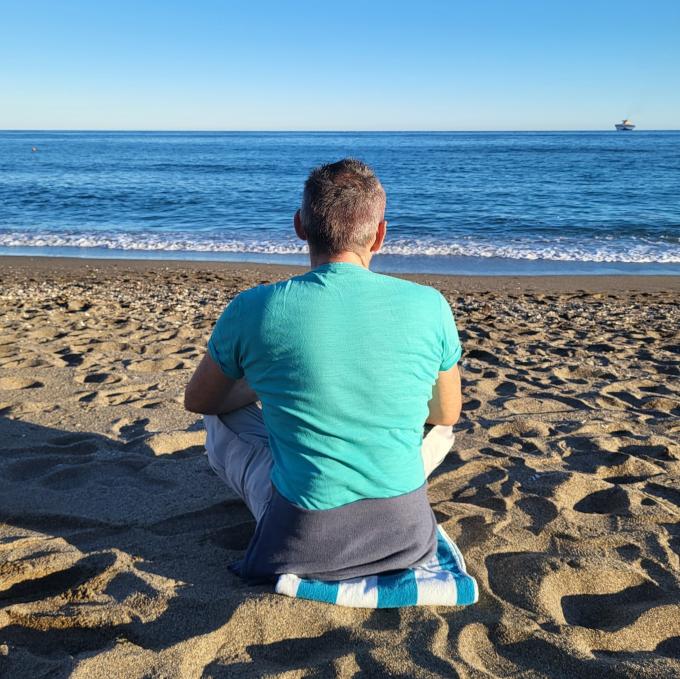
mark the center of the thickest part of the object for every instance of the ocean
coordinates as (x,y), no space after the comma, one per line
(485,203)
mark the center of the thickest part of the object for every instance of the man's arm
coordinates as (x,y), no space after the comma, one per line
(446,399)
(211,392)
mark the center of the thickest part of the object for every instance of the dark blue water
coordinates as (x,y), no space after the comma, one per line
(559,202)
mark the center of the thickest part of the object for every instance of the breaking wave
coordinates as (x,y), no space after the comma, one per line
(621,250)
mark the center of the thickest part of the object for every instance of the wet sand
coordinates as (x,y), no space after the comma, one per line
(563,489)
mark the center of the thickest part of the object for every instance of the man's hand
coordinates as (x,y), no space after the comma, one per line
(211,392)
(446,399)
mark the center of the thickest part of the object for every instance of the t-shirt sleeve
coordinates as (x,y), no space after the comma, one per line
(451,348)
(224,345)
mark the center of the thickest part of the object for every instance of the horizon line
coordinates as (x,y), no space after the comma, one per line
(323,131)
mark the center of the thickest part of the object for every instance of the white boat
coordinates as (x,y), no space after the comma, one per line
(624,126)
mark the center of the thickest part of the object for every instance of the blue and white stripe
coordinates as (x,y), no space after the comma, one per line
(442,581)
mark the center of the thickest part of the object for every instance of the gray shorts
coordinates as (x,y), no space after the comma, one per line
(239,453)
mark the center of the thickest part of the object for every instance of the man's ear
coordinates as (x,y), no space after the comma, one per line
(299,229)
(379,236)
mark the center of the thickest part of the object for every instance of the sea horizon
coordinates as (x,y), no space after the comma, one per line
(325,131)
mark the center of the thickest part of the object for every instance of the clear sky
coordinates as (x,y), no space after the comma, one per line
(351,65)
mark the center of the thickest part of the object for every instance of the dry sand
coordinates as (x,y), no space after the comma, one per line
(563,490)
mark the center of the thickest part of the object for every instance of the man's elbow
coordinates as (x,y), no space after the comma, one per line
(445,419)
(193,402)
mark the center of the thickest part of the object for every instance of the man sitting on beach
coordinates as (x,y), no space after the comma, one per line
(316,390)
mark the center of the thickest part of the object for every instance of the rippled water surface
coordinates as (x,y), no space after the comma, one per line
(589,198)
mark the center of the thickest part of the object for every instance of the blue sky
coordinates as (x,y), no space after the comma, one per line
(369,65)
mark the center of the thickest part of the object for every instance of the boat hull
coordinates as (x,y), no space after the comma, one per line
(624,128)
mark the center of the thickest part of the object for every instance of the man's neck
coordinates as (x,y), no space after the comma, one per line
(319,259)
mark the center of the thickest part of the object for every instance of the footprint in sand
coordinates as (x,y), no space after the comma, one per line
(98,378)
(613,611)
(123,394)
(476,648)
(672,495)
(629,552)
(122,471)
(506,389)
(510,440)
(657,406)
(471,404)
(128,428)
(614,500)
(625,479)
(23,363)
(517,577)
(590,455)
(474,530)
(531,405)
(150,405)
(483,356)
(540,511)
(188,351)
(70,358)
(601,347)
(605,596)
(174,443)
(655,452)
(518,433)
(151,365)
(57,583)
(110,583)
(11,383)
(574,374)
(524,427)
(481,497)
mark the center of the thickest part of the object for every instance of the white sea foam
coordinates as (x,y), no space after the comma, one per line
(625,250)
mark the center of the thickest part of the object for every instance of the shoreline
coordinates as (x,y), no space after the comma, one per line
(388,263)
(16,266)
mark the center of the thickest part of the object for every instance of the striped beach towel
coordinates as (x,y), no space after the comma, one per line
(442,581)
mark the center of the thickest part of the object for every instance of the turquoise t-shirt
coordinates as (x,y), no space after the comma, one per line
(343,360)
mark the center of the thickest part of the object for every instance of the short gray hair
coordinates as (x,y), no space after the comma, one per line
(342,204)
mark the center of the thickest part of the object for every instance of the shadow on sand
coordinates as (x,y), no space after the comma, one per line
(125,544)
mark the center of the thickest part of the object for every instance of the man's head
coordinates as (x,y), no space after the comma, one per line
(343,209)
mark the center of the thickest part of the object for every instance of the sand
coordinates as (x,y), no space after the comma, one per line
(563,490)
